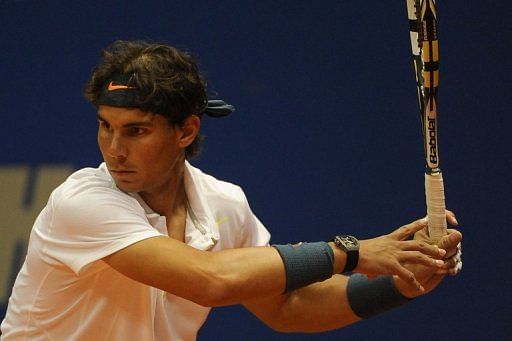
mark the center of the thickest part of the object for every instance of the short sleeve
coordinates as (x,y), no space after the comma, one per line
(93,224)
(253,232)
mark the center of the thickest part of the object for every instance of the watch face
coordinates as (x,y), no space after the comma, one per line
(348,242)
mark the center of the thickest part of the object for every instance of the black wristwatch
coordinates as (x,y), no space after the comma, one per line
(350,245)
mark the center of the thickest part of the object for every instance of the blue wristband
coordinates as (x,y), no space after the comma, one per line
(368,298)
(306,263)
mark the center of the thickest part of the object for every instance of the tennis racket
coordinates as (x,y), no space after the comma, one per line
(425,50)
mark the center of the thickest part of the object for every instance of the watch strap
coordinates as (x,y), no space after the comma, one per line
(352,251)
(352,259)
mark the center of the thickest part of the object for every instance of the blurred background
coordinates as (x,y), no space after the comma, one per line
(326,137)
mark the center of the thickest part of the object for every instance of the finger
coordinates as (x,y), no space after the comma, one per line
(450,217)
(453,262)
(442,271)
(405,231)
(449,264)
(425,248)
(416,257)
(451,267)
(453,270)
(458,256)
(450,231)
(409,278)
(422,235)
(451,251)
(457,269)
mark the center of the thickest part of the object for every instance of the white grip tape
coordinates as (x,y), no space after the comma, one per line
(434,192)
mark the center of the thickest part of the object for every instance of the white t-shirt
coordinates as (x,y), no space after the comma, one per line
(64,290)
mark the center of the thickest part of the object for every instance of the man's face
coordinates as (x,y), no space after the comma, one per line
(142,150)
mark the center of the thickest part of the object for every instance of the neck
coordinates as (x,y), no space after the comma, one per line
(170,196)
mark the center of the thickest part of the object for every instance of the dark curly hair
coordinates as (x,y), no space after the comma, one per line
(168,81)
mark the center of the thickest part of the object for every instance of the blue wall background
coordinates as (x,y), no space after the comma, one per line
(326,136)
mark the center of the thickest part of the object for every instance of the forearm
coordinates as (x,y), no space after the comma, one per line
(246,273)
(318,307)
(207,278)
(257,272)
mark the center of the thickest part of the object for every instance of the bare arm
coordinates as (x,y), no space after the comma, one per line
(315,308)
(239,275)
(207,278)
(325,306)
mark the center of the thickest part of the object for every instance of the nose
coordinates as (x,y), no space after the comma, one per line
(117,148)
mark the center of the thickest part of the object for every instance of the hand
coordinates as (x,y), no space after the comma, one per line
(387,255)
(453,261)
(427,276)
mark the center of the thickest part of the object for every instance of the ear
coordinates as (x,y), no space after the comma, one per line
(189,130)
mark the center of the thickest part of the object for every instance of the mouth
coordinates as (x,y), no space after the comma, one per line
(121,171)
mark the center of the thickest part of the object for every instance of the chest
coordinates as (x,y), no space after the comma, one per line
(175,223)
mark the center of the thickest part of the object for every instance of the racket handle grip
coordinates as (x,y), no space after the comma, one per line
(434,192)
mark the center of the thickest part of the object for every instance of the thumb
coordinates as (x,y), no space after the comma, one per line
(450,241)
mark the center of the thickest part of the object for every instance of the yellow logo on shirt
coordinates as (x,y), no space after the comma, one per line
(221,221)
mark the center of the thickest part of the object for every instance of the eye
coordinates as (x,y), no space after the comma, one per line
(136,131)
(104,124)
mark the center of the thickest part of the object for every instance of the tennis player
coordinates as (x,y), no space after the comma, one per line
(125,251)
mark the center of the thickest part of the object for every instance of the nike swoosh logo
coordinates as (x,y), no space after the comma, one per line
(112,87)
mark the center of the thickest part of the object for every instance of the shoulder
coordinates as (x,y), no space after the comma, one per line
(218,191)
(222,200)
(89,181)
(226,202)
(90,191)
